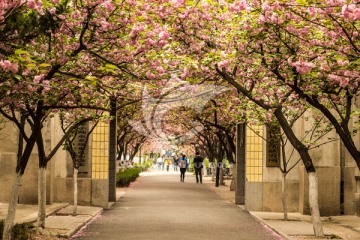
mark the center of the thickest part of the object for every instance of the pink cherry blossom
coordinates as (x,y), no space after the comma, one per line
(163,35)
(224,63)
(38,78)
(303,67)
(52,11)
(105,25)
(8,66)
(178,3)
(238,5)
(31,4)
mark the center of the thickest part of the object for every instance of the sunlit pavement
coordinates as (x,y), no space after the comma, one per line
(159,206)
(153,171)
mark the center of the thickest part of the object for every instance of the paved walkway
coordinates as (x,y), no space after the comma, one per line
(162,207)
(299,227)
(159,206)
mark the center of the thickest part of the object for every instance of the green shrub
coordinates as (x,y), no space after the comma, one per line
(226,163)
(206,163)
(125,176)
(144,166)
(22,231)
(148,164)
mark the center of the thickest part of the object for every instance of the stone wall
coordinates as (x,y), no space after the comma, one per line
(64,190)
(253,196)
(28,190)
(100,192)
(329,191)
(272,196)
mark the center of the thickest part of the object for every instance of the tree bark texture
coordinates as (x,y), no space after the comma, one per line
(213,171)
(283,196)
(233,179)
(221,178)
(10,218)
(314,204)
(41,197)
(75,176)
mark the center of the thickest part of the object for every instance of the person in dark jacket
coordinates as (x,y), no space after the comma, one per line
(183,165)
(198,165)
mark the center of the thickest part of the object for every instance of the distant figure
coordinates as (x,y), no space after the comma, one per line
(168,162)
(182,164)
(175,160)
(198,165)
(159,162)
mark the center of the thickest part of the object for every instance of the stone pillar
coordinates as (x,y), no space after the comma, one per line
(240,163)
(112,152)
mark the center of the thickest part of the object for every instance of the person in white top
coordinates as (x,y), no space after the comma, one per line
(183,165)
(159,162)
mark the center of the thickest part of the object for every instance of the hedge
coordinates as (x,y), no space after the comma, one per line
(125,176)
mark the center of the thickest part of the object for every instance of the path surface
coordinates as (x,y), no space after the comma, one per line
(159,206)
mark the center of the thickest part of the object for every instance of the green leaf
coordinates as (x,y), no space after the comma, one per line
(43,65)
(31,66)
(20,51)
(111,66)
(18,77)
(92,80)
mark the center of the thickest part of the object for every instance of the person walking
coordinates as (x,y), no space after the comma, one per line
(198,165)
(159,162)
(182,164)
(168,162)
(175,162)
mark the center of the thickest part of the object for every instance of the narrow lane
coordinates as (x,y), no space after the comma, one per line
(162,207)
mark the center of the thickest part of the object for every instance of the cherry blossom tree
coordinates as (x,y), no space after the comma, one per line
(315,51)
(75,148)
(308,48)
(226,43)
(73,50)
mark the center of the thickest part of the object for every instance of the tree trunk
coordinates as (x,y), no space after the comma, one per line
(283,197)
(221,178)
(310,169)
(233,179)
(314,205)
(213,171)
(75,176)
(41,197)
(10,218)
